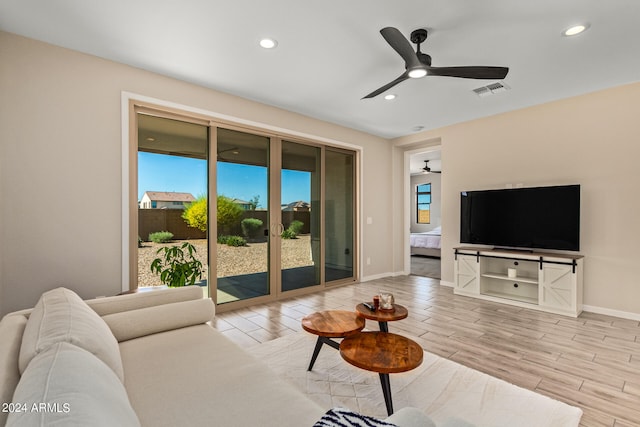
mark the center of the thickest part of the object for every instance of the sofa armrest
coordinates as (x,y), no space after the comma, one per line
(138,323)
(120,303)
(11,330)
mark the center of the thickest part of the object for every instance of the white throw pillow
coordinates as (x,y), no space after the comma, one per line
(61,315)
(68,386)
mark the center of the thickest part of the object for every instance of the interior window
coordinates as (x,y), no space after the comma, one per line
(423,202)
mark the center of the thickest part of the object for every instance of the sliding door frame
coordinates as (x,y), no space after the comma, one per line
(133,104)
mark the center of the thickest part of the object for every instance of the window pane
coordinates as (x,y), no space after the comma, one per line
(339,208)
(424,216)
(300,205)
(172,173)
(424,198)
(424,188)
(242,194)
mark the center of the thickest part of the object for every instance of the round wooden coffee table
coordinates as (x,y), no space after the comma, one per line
(331,324)
(384,353)
(382,317)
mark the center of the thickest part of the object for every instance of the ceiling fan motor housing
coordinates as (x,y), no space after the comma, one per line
(419,35)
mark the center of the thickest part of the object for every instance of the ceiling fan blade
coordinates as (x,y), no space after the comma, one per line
(491,73)
(401,45)
(389,85)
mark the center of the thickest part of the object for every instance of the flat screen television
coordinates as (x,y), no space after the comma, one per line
(525,218)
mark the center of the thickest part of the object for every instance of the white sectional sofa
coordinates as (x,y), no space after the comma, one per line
(149,359)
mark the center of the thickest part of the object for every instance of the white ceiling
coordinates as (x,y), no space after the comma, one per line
(330,53)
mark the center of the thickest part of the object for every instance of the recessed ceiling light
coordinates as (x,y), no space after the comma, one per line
(151,139)
(390,96)
(575,30)
(268,43)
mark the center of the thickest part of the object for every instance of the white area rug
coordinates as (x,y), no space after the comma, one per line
(442,388)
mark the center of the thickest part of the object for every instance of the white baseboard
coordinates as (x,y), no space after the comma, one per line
(445,283)
(611,312)
(375,276)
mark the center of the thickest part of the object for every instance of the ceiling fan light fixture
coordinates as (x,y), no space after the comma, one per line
(268,43)
(574,30)
(417,73)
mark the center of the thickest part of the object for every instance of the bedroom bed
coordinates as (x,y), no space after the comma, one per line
(426,243)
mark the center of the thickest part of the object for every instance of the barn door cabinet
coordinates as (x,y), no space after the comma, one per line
(540,281)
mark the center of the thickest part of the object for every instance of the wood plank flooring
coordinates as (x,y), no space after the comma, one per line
(592,362)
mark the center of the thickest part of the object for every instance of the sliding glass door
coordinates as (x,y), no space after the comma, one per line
(172,175)
(242,180)
(339,217)
(300,209)
(284,209)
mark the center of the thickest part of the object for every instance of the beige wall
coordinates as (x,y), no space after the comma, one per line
(591,140)
(60,134)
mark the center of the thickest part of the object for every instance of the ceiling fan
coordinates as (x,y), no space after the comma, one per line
(427,169)
(233,150)
(418,64)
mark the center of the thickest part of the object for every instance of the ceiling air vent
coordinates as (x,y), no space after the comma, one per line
(491,89)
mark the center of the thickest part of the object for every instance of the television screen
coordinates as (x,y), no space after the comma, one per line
(536,218)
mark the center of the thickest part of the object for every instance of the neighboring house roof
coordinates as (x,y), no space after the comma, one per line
(169,196)
(240,202)
(296,206)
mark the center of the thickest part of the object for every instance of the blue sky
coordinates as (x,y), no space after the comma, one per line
(159,172)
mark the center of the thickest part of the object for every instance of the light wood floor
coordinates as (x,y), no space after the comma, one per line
(592,362)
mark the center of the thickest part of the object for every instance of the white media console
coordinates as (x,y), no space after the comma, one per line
(542,281)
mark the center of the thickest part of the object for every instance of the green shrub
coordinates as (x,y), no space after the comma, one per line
(178,265)
(288,234)
(229,214)
(139,242)
(296,226)
(294,229)
(161,237)
(195,214)
(232,240)
(251,227)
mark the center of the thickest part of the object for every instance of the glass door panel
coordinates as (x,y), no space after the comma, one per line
(242,216)
(172,175)
(300,210)
(339,215)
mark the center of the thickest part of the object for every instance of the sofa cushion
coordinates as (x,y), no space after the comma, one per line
(60,315)
(151,320)
(218,383)
(142,299)
(11,331)
(68,386)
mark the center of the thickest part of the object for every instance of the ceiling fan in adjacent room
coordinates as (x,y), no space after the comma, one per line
(418,64)
(233,150)
(427,169)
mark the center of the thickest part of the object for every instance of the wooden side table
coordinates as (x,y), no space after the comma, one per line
(382,352)
(382,317)
(331,324)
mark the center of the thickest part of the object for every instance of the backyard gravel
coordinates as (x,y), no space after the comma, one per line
(232,261)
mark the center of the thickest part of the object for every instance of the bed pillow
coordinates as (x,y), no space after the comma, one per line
(68,386)
(61,315)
